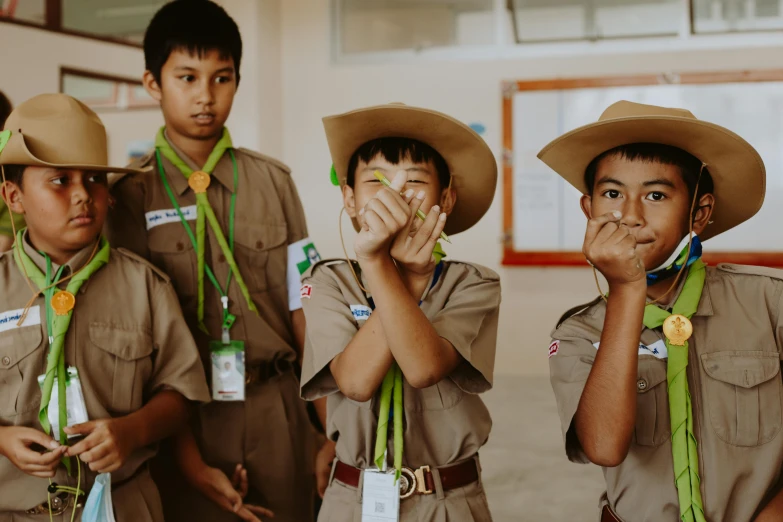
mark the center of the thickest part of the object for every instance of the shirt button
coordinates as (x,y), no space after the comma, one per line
(180,246)
(6,361)
(641,385)
(259,244)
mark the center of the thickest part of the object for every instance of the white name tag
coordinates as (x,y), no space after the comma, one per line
(169,215)
(76,409)
(361,312)
(9,319)
(657,349)
(380,497)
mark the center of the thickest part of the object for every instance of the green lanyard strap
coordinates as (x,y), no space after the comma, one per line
(58,326)
(206,213)
(685,454)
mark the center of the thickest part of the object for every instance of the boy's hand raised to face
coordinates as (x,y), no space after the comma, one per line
(382,218)
(413,246)
(611,248)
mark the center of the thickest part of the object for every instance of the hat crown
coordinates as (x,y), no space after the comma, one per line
(626,109)
(59,129)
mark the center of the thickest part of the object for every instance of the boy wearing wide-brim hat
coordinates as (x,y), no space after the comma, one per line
(402,322)
(671,382)
(84,329)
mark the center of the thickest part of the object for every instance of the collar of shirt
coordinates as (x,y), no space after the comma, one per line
(73,264)
(705,303)
(224,170)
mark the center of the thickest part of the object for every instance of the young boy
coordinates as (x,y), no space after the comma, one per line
(227,225)
(103,317)
(426,329)
(672,382)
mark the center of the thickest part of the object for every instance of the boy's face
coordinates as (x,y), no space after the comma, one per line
(654,202)
(195,93)
(421,177)
(64,209)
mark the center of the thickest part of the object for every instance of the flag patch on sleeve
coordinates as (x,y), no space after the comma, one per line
(553,348)
(306,291)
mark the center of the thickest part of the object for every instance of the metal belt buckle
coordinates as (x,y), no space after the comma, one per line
(414,482)
(59,505)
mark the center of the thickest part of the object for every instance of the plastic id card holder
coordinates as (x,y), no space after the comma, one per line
(228,370)
(74,402)
(380,496)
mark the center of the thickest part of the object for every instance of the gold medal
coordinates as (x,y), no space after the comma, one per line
(63,302)
(199,181)
(677,329)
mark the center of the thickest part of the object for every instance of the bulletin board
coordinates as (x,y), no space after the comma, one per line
(543,222)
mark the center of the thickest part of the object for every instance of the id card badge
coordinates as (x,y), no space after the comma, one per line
(380,496)
(228,370)
(76,409)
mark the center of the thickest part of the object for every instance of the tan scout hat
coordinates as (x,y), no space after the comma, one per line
(736,168)
(472,166)
(56,130)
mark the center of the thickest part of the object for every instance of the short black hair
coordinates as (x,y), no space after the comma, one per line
(395,150)
(689,165)
(14,173)
(197,26)
(5,108)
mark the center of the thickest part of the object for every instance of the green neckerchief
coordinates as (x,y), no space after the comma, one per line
(204,210)
(55,362)
(684,447)
(392,386)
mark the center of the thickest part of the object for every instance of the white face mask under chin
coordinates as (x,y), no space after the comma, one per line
(677,251)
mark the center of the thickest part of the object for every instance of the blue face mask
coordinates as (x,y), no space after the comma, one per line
(682,257)
(98,507)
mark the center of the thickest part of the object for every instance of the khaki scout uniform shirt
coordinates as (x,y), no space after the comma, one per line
(269,432)
(444,424)
(127,339)
(736,389)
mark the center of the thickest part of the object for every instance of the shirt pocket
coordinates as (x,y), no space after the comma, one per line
(441,396)
(653,427)
(740,386)
(260,250)
(20,364)
(121,366)
(172,251)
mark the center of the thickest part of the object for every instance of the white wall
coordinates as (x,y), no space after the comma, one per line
(30,65)
(313,87)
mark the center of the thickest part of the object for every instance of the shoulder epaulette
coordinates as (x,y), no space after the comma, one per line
(764,271)
(268,159)
(577,310)
(324,262)
(137,258)
(142,161)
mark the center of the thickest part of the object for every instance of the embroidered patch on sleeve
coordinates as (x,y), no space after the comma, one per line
(553,348)
(306,291)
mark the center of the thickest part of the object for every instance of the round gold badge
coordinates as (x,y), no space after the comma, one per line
(678,329)
(199,181)
(63,302)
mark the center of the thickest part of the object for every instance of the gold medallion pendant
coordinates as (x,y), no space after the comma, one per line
(63,302)
(199,181)
(677,329)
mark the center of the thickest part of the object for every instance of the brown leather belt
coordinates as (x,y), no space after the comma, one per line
(419,481)
(607,515)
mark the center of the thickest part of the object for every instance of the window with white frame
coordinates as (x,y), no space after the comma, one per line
(365,26)
(722,16)
(559,20)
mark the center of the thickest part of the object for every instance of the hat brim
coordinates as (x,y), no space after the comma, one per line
(471,163)
(736,168)
(17,153)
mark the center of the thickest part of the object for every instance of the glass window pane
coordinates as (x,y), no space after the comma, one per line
(551,20)
(24,10)
(101,93)
(387,25)
(124,19)
(721,16)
